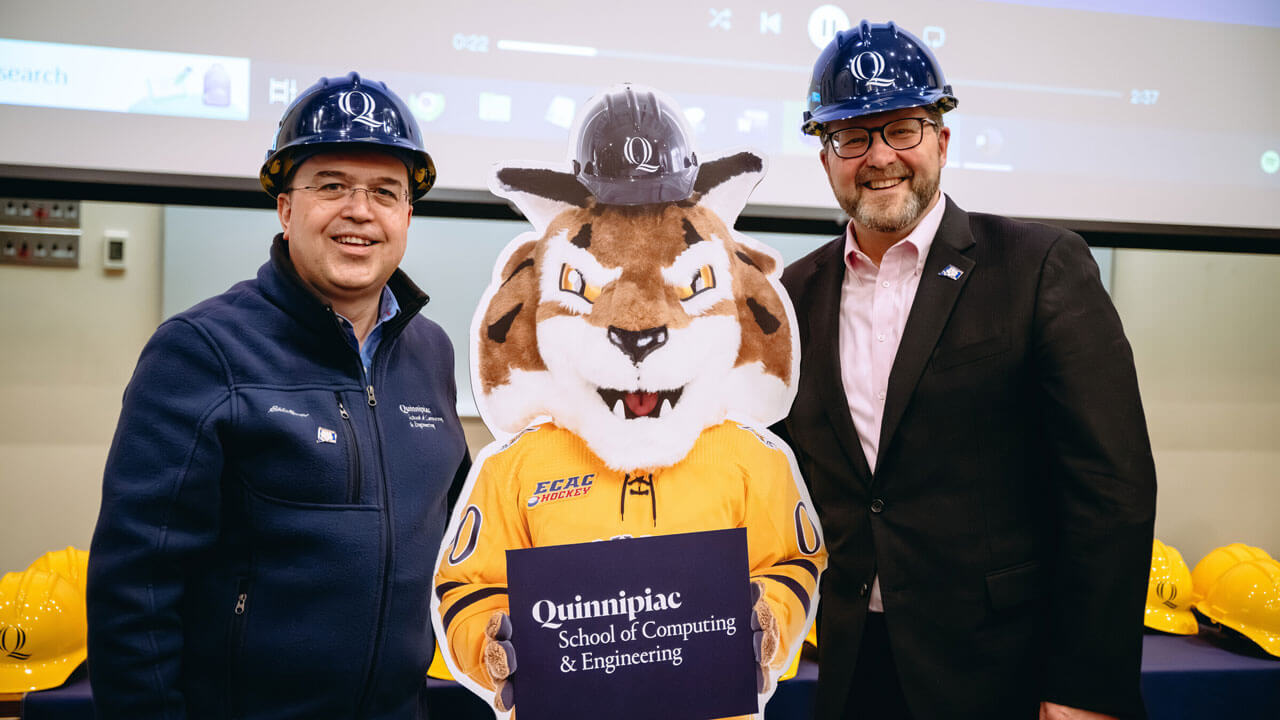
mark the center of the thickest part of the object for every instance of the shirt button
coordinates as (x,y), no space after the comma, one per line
(877,505)
(884,284)
(880,337)
(879,396)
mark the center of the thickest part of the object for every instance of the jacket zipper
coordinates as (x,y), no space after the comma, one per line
(236,641)
(366,695)
(354,482)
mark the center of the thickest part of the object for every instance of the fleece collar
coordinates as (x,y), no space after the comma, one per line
(281,283)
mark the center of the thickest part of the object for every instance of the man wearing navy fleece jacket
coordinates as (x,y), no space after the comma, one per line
(280,476)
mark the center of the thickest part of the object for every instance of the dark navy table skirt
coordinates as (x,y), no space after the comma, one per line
(1209,675)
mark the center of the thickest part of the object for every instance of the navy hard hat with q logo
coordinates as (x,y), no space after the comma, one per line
(873,68)
(634,148)
(347,112)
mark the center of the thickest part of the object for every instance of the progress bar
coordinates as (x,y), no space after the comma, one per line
(588,51)
(547,48)
(1031,87)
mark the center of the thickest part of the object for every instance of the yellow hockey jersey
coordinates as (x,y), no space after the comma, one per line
(545,487)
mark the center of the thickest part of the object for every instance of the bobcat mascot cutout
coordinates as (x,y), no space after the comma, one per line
(634,350)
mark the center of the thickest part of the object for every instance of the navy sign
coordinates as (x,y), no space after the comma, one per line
(634,628)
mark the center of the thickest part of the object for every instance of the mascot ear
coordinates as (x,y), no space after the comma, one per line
(724,184)
(506,333)
(540,193)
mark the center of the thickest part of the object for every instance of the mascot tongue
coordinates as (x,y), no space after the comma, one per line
(641,403)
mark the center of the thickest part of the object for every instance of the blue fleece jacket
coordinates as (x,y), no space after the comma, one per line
(269,520)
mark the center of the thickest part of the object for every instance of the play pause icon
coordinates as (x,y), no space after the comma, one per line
(825,22)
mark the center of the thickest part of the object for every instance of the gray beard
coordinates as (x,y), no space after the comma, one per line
(923,191)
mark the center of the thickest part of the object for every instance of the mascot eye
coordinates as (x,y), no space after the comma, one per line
(704,279)
(571,281)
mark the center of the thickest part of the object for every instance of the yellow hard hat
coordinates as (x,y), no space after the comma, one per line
(1218,561)
(71,563)
(438,669)
(1247,599)
(42,630)
(1169,592)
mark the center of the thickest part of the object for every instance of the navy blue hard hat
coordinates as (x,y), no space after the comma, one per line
(873,68)
(634,148)
(347,113)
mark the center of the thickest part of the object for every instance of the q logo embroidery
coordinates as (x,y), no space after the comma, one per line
(361,108)
(645,154)
(870,75)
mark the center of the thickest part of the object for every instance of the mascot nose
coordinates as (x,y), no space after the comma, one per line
(638,343)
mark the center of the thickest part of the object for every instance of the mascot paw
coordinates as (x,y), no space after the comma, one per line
(499,657)
(764,636)
(505,696)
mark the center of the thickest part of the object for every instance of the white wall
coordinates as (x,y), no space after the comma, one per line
(71,338)
(1207,346)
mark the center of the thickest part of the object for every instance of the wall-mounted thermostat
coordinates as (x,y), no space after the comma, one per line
(113,242)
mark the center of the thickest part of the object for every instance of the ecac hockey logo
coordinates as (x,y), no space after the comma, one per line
(551,490)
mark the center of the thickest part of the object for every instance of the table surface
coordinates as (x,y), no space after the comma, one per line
(1182,677)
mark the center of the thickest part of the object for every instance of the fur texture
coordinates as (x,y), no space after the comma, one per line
(636,327)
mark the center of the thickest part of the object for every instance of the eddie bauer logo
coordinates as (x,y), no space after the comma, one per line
(421,417)
(12,640)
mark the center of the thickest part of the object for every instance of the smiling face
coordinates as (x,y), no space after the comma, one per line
(887,191)
(345,249)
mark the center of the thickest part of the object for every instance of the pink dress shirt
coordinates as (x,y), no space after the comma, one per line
(874,304)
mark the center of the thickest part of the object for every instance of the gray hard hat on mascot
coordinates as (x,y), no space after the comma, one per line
(347,113)
(874,68)
(633,148)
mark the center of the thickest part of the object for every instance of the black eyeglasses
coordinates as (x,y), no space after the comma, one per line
(901,134)
(336,191)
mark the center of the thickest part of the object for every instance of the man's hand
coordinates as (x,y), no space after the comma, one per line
(499,657)
(764,636)
(1054,711)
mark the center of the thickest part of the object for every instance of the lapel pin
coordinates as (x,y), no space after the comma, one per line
(325,435)
(952,272)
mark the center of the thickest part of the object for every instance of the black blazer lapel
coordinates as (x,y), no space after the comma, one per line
(930,311)
(823,312)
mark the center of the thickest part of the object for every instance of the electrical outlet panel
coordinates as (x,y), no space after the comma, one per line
(42,233)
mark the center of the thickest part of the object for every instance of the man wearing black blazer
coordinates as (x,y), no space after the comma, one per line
(986,489)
